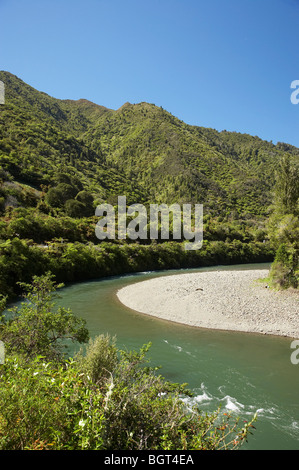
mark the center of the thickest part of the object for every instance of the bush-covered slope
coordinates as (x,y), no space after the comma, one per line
(60,158)
(139,150)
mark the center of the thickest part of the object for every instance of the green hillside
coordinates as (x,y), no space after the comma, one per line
(139,150)
(60,158)
(42,138)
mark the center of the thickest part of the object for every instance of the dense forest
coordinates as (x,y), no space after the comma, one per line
(46,143)
(60,159)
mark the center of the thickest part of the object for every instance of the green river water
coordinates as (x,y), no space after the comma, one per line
(243,373)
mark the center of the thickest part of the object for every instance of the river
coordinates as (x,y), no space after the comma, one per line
(242,372)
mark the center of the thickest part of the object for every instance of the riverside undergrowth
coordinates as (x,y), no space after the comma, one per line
(101,399)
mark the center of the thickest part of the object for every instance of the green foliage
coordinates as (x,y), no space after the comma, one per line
(284,225)
(284,271)
(35,327)
(45,406)
(287,187)
(86,199)
(19,263)
(74,208)
(103,399)
(75,204)
(20,260)
(54,198)
(99,359)
(58,406)
(60,158)
(108,153)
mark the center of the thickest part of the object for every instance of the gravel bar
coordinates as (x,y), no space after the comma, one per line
(223,300)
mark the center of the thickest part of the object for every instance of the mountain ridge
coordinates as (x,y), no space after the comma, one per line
(139,150)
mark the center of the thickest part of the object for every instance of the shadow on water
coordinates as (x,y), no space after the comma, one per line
(242,372)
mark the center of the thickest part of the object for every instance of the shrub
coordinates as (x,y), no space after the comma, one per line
(45,405)
(284,270)
(105,399)
(74,208)
(36,328)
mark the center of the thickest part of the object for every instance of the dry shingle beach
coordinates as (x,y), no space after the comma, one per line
(225,300)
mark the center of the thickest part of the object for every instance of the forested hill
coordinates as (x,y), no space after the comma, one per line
(139,150)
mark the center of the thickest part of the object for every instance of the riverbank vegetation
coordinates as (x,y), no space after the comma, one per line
(101,399)
(284,225)
(74,262)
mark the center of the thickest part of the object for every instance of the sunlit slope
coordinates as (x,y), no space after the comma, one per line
(139,150)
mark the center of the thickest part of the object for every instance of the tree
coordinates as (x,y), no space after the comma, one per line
(87,199)
(36,328)
(57,196)
(74,208)
(284,225)
(287,186)
(53,197)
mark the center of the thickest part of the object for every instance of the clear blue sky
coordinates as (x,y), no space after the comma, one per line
(213,63)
